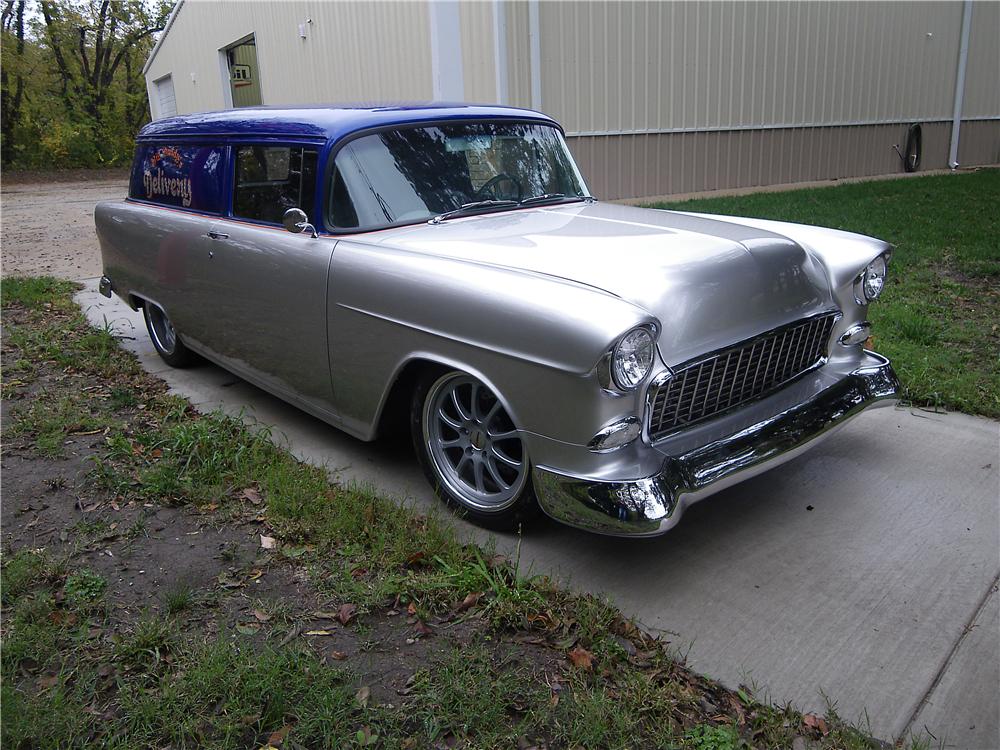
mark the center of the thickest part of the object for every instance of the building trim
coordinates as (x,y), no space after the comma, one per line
(500,50)
(163,35)
(446,51)
(535,52)
(774,126)
(963,59)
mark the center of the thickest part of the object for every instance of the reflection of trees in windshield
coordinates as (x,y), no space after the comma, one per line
(416,173)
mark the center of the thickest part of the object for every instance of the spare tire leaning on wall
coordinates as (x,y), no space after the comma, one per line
(914,148)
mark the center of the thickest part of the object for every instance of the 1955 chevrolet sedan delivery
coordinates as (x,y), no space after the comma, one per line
(609,365)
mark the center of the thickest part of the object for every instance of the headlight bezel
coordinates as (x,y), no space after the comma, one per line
(870,283)
(617,374)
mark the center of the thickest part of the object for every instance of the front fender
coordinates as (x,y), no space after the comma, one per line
(843,255)
(535,339)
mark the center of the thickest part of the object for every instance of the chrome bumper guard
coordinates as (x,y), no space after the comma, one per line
(654,505)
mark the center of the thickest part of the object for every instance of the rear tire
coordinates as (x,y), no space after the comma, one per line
(165,339)
(471,451)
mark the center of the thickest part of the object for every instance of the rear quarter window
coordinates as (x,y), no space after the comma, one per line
(179,176)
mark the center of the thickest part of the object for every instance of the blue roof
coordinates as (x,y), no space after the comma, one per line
(325,121)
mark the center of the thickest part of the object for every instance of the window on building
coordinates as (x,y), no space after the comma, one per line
(244,75)
(272,179)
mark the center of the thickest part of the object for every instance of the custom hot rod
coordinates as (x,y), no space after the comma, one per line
(605,364)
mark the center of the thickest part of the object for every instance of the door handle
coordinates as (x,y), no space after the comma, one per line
(218,236)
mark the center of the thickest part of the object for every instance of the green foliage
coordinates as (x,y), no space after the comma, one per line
(73,103)
(84,588)
(709,737)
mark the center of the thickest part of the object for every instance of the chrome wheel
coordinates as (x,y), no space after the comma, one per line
(475,449)
(162,330)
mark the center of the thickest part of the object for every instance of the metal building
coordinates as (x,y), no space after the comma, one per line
(656,97)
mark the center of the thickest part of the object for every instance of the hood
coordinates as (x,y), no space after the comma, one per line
(709,282)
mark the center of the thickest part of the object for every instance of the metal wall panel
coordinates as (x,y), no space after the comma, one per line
(635,66)
(478,52)
(354,51)
(654,164)
(982,76)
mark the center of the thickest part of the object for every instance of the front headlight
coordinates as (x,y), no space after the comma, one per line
(632,358)
(872,280)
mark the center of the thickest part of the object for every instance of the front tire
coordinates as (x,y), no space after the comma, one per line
(165,339)
(471,451)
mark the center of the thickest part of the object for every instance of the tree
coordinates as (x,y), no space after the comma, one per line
(85,96)
(12,67)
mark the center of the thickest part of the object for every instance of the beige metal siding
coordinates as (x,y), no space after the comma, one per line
(982,81)
(355,51)
(478,52)
(632,166)
(637,67)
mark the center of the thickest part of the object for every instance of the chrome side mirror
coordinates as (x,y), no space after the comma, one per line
(295,221)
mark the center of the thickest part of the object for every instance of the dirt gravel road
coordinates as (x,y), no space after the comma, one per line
(47,228)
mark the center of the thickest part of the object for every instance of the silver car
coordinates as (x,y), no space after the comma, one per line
(445,268)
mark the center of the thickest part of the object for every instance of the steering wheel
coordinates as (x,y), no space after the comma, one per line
(495,180)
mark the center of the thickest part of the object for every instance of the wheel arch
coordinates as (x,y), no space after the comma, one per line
(393,409)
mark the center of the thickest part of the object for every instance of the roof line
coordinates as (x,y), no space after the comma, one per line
(163,35)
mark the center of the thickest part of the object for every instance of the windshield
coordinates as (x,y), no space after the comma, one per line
(414,174)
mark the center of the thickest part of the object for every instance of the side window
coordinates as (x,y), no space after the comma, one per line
(180,176)
(272,179)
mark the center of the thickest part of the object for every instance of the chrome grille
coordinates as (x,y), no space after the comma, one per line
(742,373)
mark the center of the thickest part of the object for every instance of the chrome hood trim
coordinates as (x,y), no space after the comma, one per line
(709,282)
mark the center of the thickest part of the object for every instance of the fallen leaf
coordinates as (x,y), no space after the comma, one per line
(319,632)
(268,542)
(338,655)
(359,573)
(278,736)
(346,613)
(44,683)
(415,559)
(325,615)
(816,722)
(261,616)
(470,601)
(256,573)
(252,495)
(423,628)
(411,609)
(581,658)
(362,696)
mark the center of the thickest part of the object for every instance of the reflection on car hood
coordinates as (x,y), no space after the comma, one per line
(708,282)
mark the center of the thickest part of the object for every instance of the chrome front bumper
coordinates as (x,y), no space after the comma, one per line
(654,505)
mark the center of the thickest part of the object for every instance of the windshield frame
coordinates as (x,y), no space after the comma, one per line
(331,159)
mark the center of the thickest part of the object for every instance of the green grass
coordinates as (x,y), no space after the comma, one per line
(938,318)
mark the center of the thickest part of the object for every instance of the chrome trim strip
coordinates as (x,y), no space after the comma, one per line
(855,335)
(650,506)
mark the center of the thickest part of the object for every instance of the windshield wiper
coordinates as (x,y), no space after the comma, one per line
(546,197)
(472,208)
(543,198)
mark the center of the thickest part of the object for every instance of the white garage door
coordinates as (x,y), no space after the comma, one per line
(165,97)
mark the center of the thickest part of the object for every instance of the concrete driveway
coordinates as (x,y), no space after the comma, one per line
(864,572)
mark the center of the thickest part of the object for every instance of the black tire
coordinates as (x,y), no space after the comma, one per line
(914,148)
(509,514)
(166,340)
